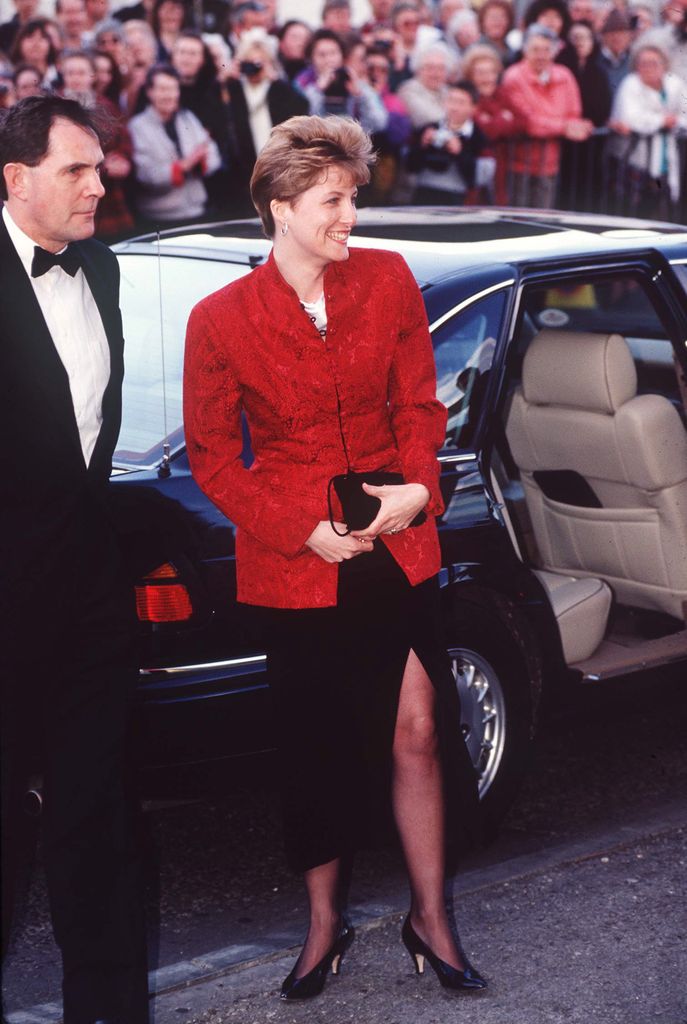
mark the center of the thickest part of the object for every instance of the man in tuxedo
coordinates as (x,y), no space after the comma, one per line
(68,671)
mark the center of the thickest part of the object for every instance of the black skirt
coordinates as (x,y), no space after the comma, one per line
(335,676)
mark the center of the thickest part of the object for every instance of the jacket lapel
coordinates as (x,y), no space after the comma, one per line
(105,296)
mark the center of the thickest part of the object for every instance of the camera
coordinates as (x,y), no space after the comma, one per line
(338,85)
(441,137)
(250,68)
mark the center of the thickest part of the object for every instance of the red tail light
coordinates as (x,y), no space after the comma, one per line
(160,597)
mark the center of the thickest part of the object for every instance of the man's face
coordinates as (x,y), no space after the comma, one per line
(618,42)
(459,107)
(55,202)
(97,10)
(495,23)
(72,17)
(26,9)
(406,24)
(250,19)
(337,19)
(539,54)
(112,43)
(381,9)
(164,95)
(187,57)
(141,47)
(77,74)
(582,10)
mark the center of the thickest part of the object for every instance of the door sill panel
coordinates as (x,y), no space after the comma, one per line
(622,656)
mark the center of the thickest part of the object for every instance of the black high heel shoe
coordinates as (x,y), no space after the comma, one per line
(312,983)
(450,977)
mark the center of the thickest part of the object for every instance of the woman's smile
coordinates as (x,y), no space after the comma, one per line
(338,236)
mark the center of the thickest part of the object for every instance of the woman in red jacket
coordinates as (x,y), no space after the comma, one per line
(326,351)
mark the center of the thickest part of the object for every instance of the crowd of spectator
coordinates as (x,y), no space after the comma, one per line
(577,103)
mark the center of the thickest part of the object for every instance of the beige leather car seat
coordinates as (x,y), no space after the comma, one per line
(604,470)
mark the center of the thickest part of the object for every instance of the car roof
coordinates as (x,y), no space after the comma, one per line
(437,241)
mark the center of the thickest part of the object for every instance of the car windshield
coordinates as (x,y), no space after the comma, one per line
(154,335)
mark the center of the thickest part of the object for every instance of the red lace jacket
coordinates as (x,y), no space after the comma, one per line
(251,346)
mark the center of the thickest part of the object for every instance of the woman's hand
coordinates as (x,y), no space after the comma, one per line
(353,83)
(116,165)
(400,504)
(328,545)
(428,136)
(325,79)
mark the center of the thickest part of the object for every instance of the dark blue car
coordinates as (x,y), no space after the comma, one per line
(561,357)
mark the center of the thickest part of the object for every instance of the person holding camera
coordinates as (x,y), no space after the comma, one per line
(332,87)
(445,154)
(342,411)
(258,99)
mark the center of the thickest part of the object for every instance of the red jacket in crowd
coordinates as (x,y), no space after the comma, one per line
(546,107)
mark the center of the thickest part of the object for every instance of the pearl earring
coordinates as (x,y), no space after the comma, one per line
(284,228)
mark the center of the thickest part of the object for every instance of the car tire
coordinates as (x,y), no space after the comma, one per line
(497,709)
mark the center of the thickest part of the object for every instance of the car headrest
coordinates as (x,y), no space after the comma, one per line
(579,370)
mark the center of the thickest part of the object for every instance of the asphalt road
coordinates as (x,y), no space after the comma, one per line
(609,779)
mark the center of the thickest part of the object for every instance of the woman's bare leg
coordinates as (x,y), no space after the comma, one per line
(419,810)
(322,885)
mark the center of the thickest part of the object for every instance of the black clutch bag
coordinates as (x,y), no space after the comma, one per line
(358,507)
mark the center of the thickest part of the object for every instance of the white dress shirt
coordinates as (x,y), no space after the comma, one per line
(76,328)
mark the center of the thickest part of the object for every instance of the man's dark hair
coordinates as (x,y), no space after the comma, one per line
(465,86)
(159,69)
(25,129)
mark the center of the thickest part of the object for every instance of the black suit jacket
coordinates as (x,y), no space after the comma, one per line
(57,528)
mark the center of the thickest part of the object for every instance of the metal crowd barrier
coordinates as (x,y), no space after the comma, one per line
(596,176)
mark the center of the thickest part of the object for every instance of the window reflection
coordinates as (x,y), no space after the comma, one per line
(464,351)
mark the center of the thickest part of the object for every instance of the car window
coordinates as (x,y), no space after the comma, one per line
(681,274)
(154,346)
(619,303)
(464,351)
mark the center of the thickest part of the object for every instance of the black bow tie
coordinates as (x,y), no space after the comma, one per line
(43,261)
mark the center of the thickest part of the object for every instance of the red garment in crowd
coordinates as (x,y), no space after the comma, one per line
(113,217)
(251,346)
(546,106)
(500,122)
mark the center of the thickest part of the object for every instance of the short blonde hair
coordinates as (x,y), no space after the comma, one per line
(257,37)
(297,155)
(477,52)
